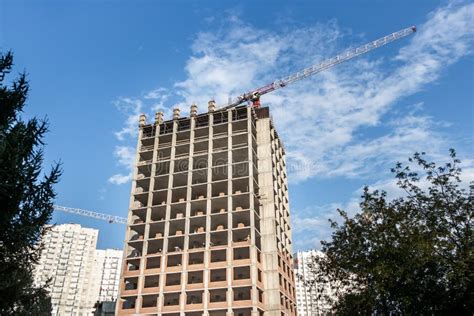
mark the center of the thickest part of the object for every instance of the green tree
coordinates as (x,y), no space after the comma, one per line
(410,255)
(26,199)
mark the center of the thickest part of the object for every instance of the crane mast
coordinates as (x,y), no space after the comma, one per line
(105,217)
(255,95)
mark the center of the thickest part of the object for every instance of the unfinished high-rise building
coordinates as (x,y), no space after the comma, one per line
(209,224)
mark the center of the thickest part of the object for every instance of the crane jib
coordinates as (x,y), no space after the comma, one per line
(254,95)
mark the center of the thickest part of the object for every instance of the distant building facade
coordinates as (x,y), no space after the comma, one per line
(307,301)
(67,259)
(108,262)
(79,274)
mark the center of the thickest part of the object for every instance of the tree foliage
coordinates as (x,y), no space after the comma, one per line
(26,198)
(410,255)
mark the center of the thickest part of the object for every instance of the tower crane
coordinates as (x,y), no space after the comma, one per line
(105,217)
(254,95)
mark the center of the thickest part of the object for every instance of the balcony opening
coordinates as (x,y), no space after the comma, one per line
(162,168)
(178,211)
(218,238)
(179,195)
(201,147)
(153,263)
(198,207)
(156,230)
(201,121)
(142,186)
(242,273)
(171,299)
(133,264)
(218,255)
(197,225)
(140,200)
(184,124)
(239,127)
(219,222)
(164,153)
(216,296)
(174,261)
(181,165)
(180,179)
(164,140)
(131,284)
(182,151)
(175,244)
(240,155)
(151,281)
(199,176)
(134,250)
(161,182)
(241,235)
(241,253)
(240,170)
(218,313)
(158,213)
(195,277)
(241,219)
(196,258)
(183,137)
(149,300)
(155,246)
(241,202)
(219,205)
(199,192)
(218,275)
(159,198)
(197,241)
(220,118)
(177,228)
(242,293)
(219,144)
(240,186)
(194,297)
(219,189)
(219,173)
(143,172)
(173,279)
(129,302)
(200,161)
(139,216)
(244,312)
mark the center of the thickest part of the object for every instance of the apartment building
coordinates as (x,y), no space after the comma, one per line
(311,299)
(68,260)
(108,263)
(208,227)
(80,274)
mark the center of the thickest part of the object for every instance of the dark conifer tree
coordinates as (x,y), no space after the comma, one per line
(26,198)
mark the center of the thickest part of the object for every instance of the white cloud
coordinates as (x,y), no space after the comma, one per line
(131,108)
(120,178)
(125,158)
(332,110)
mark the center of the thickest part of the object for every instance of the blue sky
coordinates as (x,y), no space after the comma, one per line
(94,66)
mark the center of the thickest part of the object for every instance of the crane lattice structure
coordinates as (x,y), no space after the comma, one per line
(254,95)
(105,217)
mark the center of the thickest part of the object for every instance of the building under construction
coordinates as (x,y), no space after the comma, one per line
(208,228)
